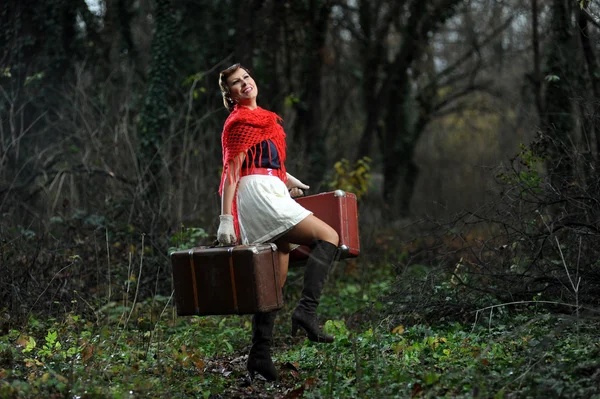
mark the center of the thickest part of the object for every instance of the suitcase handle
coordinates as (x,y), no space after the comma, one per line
(217,244)
(300,196)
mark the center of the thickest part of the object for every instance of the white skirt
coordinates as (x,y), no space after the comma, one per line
(265,209)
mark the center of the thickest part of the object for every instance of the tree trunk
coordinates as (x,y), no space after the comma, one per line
(402,129)
(373,49)
(308,126)
(593,72)
(497,45)
(558,113)
(537,74)
(271,59)
(245,33)
(154,121)
(396,135)
(117,46)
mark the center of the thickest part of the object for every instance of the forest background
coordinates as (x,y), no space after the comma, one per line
(467,128)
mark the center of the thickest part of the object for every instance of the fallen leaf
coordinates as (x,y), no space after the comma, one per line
(87,352)
(22,340)
(33,363)
(292,366)
(417,390)
(200,364)
(296,393)
(310,382)
(398,330)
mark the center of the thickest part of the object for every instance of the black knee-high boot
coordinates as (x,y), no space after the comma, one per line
(317,267)
(259,359)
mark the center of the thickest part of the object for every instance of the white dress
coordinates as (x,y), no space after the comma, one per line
(265,209)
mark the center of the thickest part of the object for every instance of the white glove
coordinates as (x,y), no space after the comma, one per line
(226,232)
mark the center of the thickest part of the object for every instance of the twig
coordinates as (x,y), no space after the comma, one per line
(359,371)
(525,302)
(575,287)
(89,305)
(526,371)
(126,294)
(108,261)
(48,286)
(137,287)
(158,321)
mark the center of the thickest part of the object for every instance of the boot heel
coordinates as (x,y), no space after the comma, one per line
(264,368)
(251,374)
(311,327)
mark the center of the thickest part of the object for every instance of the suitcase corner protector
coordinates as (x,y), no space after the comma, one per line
(346,252)
(344,249)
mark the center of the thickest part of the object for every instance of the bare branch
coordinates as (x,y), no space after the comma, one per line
(469,54)
(590,18)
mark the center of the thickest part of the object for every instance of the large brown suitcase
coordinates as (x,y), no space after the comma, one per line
(339,210)
(227,280)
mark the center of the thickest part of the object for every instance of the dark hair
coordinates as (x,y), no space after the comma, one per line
(227,101)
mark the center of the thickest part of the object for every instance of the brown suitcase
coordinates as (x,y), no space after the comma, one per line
(227,280)
(339,210)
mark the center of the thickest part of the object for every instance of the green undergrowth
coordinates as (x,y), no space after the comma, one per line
(145,351)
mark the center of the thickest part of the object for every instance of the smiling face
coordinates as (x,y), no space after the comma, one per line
(242,88)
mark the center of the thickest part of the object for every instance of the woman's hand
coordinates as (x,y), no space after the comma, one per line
(226,233)
(295,186)
(296,192)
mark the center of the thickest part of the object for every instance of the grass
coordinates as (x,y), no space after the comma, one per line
(524,353)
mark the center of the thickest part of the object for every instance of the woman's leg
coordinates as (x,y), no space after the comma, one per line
(259,358)
(323,241)
(284,259)
(311,229)
(304,233)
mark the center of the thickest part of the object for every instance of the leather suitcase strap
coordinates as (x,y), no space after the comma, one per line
(191,253)
(232,276)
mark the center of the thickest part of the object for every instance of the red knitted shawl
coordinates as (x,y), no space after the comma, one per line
(243,130)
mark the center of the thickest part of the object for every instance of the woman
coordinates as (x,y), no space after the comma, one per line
(257,207)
